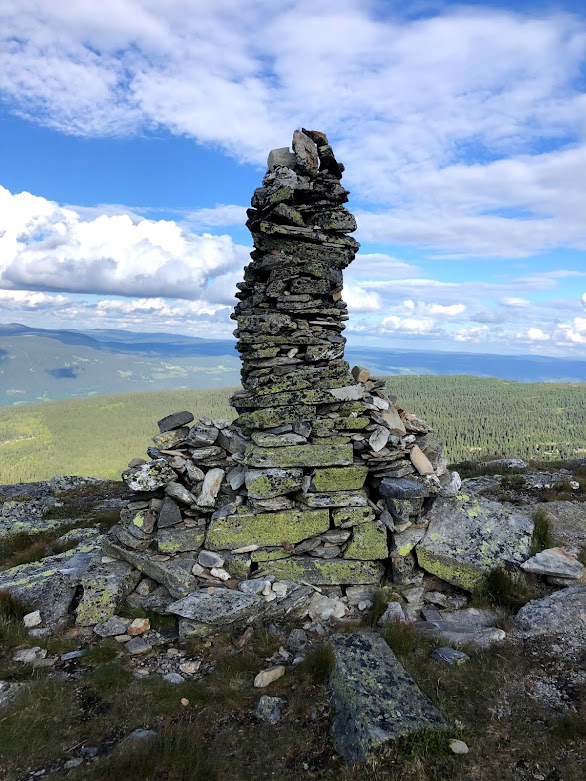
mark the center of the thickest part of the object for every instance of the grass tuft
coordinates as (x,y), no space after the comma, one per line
(380,600)
(317,665)
(178,753)
(100,654)
(572,726)
(542,537)
(503,588)
(401,637)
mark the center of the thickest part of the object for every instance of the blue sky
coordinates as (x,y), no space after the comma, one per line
(133,132)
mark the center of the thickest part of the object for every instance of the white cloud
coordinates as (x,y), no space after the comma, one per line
(515,301)
(48,247)
(574,333)
(220,215)
(537,335)
(31,300)
(407,325)
(359,299)
(441,119)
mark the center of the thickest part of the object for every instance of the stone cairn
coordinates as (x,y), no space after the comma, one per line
(321,479)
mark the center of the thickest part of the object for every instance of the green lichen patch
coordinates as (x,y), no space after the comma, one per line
(344,478)
(327,571)
(368,543)
(351,516)
(266,529)
(323,454)
(266,483)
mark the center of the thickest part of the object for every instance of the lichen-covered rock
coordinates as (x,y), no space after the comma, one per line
(105,587)
(346,517)
(467,537)
(180,539)
(342,478)
(266,483)
(324,454)
(50,584)
(334,499)
(175,573)
(266,529)
(376,700)
(369,542)
(149,477)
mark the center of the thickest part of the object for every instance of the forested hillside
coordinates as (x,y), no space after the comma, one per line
(474,417)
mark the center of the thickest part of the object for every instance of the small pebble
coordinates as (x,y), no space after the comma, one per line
(459,747)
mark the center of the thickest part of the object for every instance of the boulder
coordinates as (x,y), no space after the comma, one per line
(467,537)
(563,612)
(50,584)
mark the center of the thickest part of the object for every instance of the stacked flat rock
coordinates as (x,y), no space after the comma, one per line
(321,478)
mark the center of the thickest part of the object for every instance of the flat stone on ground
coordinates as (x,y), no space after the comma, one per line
(555,562)
(376,700)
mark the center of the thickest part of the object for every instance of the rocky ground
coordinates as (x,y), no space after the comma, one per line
(133,697)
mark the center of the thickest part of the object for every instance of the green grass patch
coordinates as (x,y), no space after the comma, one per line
(104,652)
(178,753)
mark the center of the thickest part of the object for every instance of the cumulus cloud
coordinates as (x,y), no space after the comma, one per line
(462,128)
(49,247)
(31,300)
(407,325)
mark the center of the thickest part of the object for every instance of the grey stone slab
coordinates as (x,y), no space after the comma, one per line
(170,514)
(223,606)
(174,573)
(555,562)
(376,700)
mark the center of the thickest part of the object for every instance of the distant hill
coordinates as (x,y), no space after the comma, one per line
(473,417)
(43,365)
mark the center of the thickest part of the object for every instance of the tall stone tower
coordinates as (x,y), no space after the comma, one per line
(321,478)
